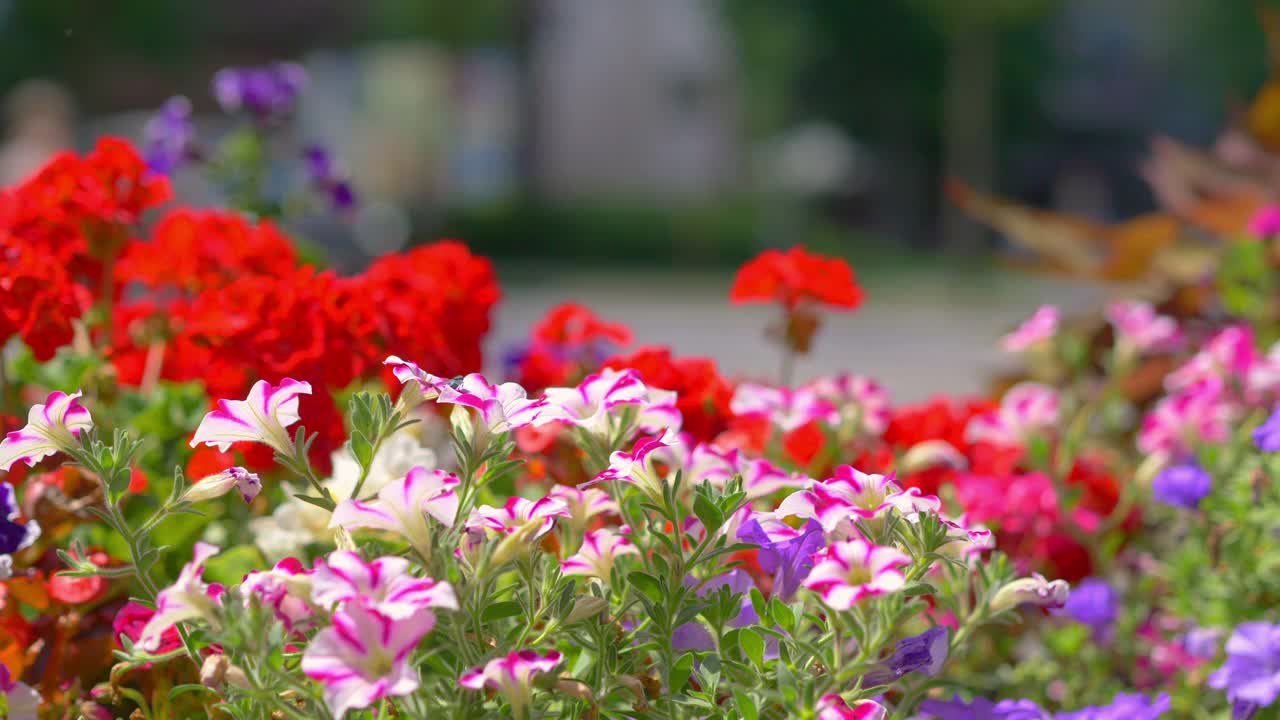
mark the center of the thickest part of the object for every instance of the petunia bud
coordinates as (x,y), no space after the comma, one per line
(586,607)
(1034,590)
(249,485)
(213,673)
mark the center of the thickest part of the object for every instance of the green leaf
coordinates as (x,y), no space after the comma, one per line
(746,705)
(499,610)
(707,512)
(319,502)
(781,614)
(231,565)
(680,672)
(752,646)
(920,589)
(177,690)
(647,584)
(759,604)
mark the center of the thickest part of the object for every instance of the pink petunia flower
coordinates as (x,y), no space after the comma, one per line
(285,588)
(188,598)
(51,427)
(249,485)
(761,478)
(833,707)
(858,400)
(1266,222)
(786,408)
(385,584)
(512,676)
(600,548)
(420,385)
(1228,355)
(1197,413)
(602,400)
(520,524)
(583,505)
(1033,590)
(847,572)
(501,408)
(637,466)
(1139,327)
(1040,327)
(1026,409)
(837,503)
(364,656)
(405,507)
(261,417)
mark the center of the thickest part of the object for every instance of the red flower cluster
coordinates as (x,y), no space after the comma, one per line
(796,277)
(566,345)
(58,229)
(945,419)
(703,395)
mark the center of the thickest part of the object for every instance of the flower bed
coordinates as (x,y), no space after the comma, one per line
(247,487)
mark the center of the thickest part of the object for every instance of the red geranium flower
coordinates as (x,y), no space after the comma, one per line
(795,277)
(565,345)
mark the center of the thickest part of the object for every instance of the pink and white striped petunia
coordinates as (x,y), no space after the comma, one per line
(596,401)
(188,598)
(833,707)
(838,502)
(708,463)
(364,656)
(285,588)
(1193,414)
(761,478)
(859,400)
(847,572)
(1026,409)
(385,584)
(786,408)
(404,507)
(249,485)
(600,548)
(519,525)
(1229,354)
(512,676)
(583,504)
(637,466)
(1040,327)
(501,408)
(1140,328)
(261,417)
(423,385)
(51,427)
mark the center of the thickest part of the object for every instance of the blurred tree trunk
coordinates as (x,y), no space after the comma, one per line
(969,123)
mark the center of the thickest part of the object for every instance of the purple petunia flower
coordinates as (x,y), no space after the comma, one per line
(924,653)
(1182,486)
(1267,435)
(983,709)
(784,551)
(1202,642)
(169,136)
(1251,674)
(266,93)
(1124,706)
(14,535)
(325,177)
(1092,602)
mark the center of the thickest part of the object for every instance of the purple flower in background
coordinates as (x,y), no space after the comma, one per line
(924,653)
(325,177)
(1092,602)
(1202,642)
(169,136)
(983,709)
(14,535)
(1124,706)
(1266,222)
(1267,435)
(784,551)
(1251,674)
(695,636)
(1182,485)
(267,93)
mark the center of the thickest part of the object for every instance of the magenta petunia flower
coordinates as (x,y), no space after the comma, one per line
(847,572)
(1192,414)
(1026,409)
(249,485)
(837,503)
(51,427)
(385,584)
(1039,328)
(520,524)
(188,598)
(857,399)
(512,676)
(285,588)
(833,707)
(583,505)
(600,548)
(405,507)
(261,417)
(1229,354)
(1265,223)
(786,408)
(601,400)
(637,466)
(501,408)
(364,656)
(1139,328)
(423,385)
